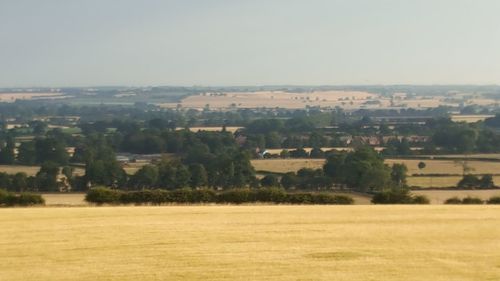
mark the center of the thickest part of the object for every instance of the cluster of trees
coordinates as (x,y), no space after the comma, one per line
(473,181)
(364,170)
(234,196)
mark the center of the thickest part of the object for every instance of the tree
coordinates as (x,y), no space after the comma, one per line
(398,174)
(486,181)
(289,180)
(269,181)
(145,177)
(469,181)
(20,182)
(199,175)
(421,165)
(26,154)
(7,155)
(46,178)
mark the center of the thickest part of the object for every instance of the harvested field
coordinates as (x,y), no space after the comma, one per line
(64,199)
(286,165)
(271,99)
(439,196)
(251,243)
(211,129)
(447,181)
(31,170)
(469,118)
(12,97)
(447,166)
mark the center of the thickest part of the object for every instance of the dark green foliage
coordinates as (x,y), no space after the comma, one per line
(101,196)
(362,170)
(269,181)
(467,200)
(398,197)
(453,200)
(236,196)
(9,199)
(494,200)
(486,182)
(472,200)
(469,181)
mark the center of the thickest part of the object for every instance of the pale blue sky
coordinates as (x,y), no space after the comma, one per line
(259,42)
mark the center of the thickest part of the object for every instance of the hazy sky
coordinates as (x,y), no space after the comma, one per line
(240,42)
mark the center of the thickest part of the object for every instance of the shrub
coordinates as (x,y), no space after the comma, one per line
(421,199)
(203,196)
(29,199)
(236,196)
(24,199)
(275,195)
(472,200)
(300,198)
(494,200)
(398,197)
(453,200)
(102,195)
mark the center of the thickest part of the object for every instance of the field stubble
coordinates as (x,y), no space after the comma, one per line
(251,243)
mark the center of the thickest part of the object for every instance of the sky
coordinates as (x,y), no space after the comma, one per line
(61,43)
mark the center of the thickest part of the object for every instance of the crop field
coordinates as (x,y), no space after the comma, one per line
(470,118)
(271,99)
(286,165)
(211,129)
(447,166)
(30,170)
(12,97)
(251,243)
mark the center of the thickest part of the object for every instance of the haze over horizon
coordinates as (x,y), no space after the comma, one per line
(138,43)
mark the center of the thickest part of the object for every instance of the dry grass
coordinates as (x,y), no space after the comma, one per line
(439,196)
(251,243)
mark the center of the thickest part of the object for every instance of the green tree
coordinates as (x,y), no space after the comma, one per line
(398,174)
(199,175)
(269,181)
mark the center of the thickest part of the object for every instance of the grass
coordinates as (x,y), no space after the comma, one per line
(251,243)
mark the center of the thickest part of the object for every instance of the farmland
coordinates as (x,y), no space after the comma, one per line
(12,97)
(449,169)
(276,99)
(251,242)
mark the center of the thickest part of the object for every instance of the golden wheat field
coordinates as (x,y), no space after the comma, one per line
(251,243)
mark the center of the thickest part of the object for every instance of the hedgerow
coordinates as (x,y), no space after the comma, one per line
(101,196)
(9,199)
